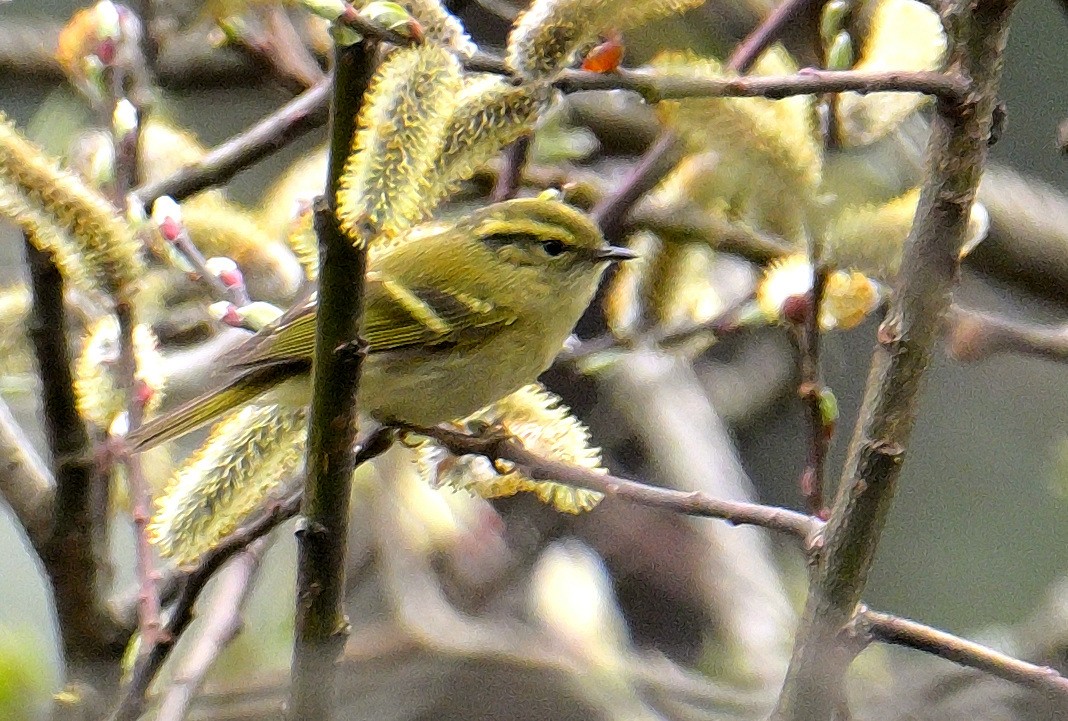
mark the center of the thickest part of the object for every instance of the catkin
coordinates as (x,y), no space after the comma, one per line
(385,187)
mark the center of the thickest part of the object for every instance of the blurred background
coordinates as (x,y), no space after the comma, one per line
(977,536)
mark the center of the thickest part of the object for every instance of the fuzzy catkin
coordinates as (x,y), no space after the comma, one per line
(489,114)
(51,196)
(385,187)
(247,455)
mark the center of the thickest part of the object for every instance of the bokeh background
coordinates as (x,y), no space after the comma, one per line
(978,533)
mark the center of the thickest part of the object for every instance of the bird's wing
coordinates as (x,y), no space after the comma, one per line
(396,317)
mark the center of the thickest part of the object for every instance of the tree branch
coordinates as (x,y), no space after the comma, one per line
(26,484)
(75,551)
(321,626)
(691,504)
(929,271)
(812,391)
(222,623)
(975,335)
(132,704)
(657,161)
(655,86)
(304,113)
(903,632)
(766,33)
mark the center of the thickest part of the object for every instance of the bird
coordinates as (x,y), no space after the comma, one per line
(458,313)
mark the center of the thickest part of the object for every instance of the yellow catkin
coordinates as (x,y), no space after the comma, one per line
(296,188)
(551,34)
(384,187)
(304,243)
(763,165)
(15,356)
(247,455)
(165,148)
(546,427)
(902,35)
(46,237)
(100,400)
(110,254)
(489,114)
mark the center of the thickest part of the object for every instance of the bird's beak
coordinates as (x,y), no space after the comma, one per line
(615,253)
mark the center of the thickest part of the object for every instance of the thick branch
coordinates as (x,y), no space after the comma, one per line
(75,551)
(321,627)
(690,504)
(907,338)
(903,632)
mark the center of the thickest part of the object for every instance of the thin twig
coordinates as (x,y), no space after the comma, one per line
(321,627)
(766,33)
(514,159)
(975,335)
(811,391)
(149,662)
(929,271)
(75,552)
(126,144)
(660,336)
(692,504)
(304,113)
(282,49)
(688,224)
(903,632)
(148,612)
(657,161)
(222,623)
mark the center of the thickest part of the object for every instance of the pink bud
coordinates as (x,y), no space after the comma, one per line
(232,278)
(143,392)
(170,229)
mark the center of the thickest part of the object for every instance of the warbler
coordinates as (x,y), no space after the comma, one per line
(457,315)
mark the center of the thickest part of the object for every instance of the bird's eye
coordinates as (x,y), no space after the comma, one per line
(553,247)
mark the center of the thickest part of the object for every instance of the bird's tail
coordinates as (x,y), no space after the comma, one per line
(203,409)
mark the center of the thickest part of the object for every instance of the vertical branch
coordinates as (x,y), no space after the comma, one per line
(515,158)
(812,391)
(321,626)
(130,77)
(75,552)
(929,271)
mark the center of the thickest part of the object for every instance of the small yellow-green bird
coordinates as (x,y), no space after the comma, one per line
(458,314)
